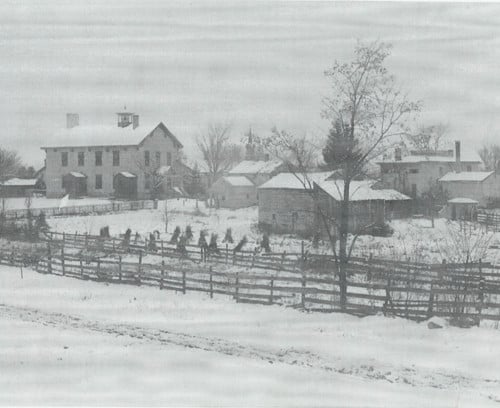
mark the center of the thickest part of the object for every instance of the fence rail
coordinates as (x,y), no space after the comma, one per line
(81,209)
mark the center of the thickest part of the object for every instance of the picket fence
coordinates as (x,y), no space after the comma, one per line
(81,209)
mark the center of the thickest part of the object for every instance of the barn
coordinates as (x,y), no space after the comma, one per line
(18,187)
(233,192)
(482,186)
(286,203)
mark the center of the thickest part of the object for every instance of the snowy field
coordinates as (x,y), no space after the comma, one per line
(18,203)
(412,238)
(65,341)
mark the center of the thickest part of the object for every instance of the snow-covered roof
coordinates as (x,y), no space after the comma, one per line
(294,181)
(462,200)
(83,136)
(468,156)
(466,176)
(127,174)
(256,167)
(238,181)
(18,182)
(360,191)
(76,174)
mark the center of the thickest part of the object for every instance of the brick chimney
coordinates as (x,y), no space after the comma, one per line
(135,121)
(72,120)
(397,154)
(458,163)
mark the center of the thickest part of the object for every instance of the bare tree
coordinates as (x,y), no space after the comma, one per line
(490,155)
(217,151)
(429,138)
(371,112)
(10,163)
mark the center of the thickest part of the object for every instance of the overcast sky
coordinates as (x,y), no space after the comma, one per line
(253,64)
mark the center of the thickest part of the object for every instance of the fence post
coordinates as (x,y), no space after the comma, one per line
(184,281)
(162,273)
(481,292)
(211,282)
(271,295)
(49,256)
(81,267)
(162,254)
(98,268)
(62,261)
(253,259)
(302,251)
(227,252)
(146,244)
(64,238)
(237,287)
(388,300)
(282,260)
(120,268)
(86,240)
(303,291)
(139,268)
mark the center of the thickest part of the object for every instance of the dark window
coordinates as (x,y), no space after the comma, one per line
(223,198)
(414,190)
(248,195)
(169,159)
(158,158)
(98,181)
(64,159)
(63,184)
(116,157)
(147,181)
(274,217)
(81,158)
(98,158)
(413,171)
(295,216)
(469,168)
(146,158)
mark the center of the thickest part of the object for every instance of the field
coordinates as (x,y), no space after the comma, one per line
(66,341)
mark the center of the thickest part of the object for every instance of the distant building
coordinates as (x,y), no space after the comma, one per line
(416,173)
(18,187)
(481,186)
(119,160)
(258,171)
(233,192)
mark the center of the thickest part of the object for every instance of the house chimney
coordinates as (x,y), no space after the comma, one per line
(72,120)
(135,121)
(458,163)
(397,154)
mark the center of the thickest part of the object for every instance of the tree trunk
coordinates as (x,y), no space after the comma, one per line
(343,233)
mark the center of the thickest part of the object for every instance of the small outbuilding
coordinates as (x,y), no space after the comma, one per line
(483,186)
(18,187)
(233,192)
(462,208)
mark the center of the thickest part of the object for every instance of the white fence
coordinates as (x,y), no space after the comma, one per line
(82,209)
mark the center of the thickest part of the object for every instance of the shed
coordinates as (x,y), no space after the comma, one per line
(18,187)
(75,184)
(233,192)
(462,208)
(483,186)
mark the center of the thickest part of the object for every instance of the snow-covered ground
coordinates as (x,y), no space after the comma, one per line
(412,238)
(18,203)
(65,341)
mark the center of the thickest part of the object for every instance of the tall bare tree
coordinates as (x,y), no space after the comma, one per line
(218,153)
(490,155)
(429,138)
(10,163)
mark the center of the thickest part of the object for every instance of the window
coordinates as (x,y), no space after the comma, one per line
(169,159)
(414,190)
(295,216)
(248,195)
(64,159)
(223,198)
(274,217)
(98,158)
(469,168)
(146,158)
(63,184)
(81,158)
(158,158)
(413,171)
(98,181)
(441,171)
(147,181)
(116,157)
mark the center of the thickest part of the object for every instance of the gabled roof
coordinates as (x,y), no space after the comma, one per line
(476,176)
(256,167)
(359,191)
(19,182)
(85,136)
(237,181)
(466,156)
(295,181)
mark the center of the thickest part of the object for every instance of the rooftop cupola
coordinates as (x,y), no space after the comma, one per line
(125,118)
